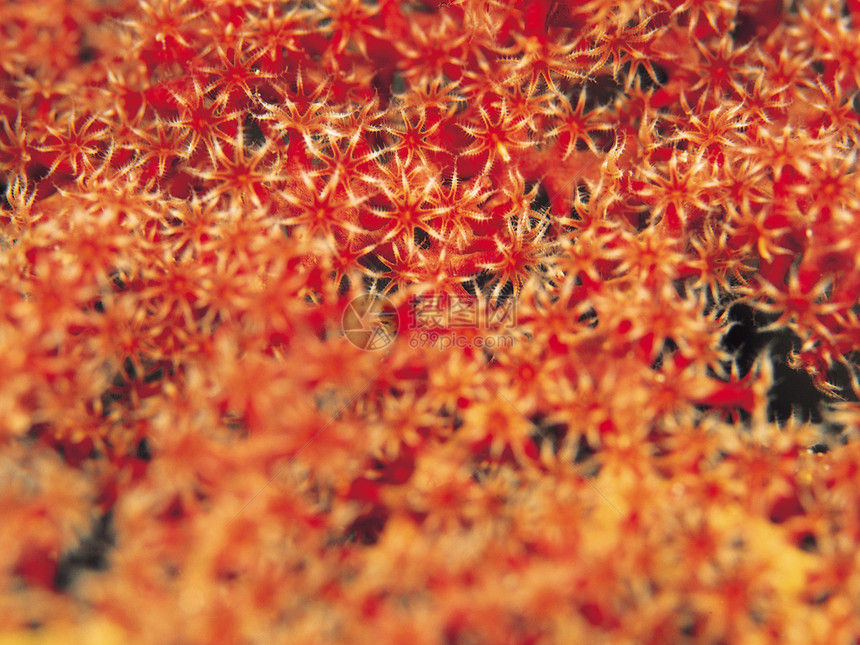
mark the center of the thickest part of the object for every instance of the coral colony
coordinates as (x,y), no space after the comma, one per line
(447,323)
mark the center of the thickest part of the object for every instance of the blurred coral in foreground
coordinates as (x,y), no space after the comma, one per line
(651,434)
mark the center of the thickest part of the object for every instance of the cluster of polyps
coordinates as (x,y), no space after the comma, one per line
(196,192)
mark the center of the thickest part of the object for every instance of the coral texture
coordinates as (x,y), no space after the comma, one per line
(446,323)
